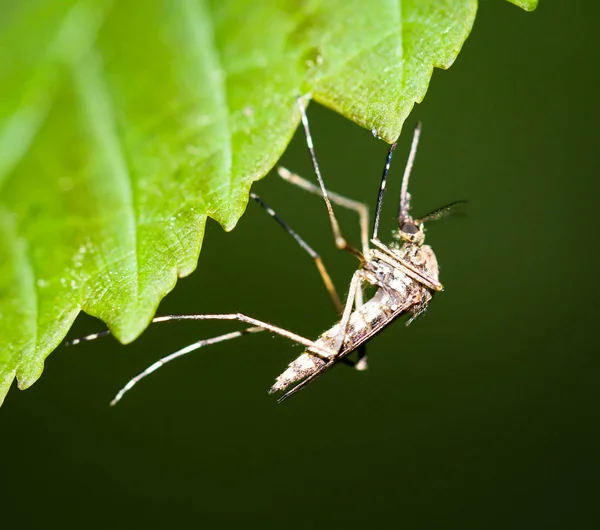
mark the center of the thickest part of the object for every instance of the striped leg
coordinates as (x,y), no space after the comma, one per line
(256,326)
(361,362)
(311,252)
(340,240)
(179,353)
(363,218)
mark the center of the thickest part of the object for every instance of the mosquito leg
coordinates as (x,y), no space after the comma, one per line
(387,256)
(404,205)
(313,348)
(88,338)
(361,363)
(340,241)
(180,353)
(358,297)
(381,193)
(311,252)
(404,195)
(359,207)
(357,278)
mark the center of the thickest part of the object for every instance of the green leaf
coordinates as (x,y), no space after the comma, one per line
(123,125)
(527,5)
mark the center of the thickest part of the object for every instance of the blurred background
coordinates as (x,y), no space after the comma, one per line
(482,414)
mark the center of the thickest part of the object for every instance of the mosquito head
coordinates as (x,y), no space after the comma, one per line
(412,232)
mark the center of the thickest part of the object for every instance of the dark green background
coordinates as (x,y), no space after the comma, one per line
(482,415)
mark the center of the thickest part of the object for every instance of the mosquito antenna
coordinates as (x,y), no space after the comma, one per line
(440,212)
(404,195)
(179,353)
(386,169)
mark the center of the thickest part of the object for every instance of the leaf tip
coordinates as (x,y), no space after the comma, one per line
(526,5)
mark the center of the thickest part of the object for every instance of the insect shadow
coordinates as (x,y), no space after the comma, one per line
(405,276)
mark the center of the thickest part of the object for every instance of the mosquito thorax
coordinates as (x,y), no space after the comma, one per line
(412,232)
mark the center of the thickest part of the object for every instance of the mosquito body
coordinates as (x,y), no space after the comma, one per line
(404,275)
(398,293)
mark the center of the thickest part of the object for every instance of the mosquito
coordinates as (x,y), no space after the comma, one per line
(404,274)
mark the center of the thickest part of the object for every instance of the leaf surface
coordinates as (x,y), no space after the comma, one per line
(527,5)
(123,125)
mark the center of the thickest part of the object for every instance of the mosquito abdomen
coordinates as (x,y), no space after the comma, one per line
(372,316)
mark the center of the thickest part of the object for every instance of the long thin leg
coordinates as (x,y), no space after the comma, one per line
(404,195)
(312,346)
(386,255)
(179,353)
(382,188)
(359,207)
(361,363)
(311,252)
(340,241)
(87,338)
(354,284)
